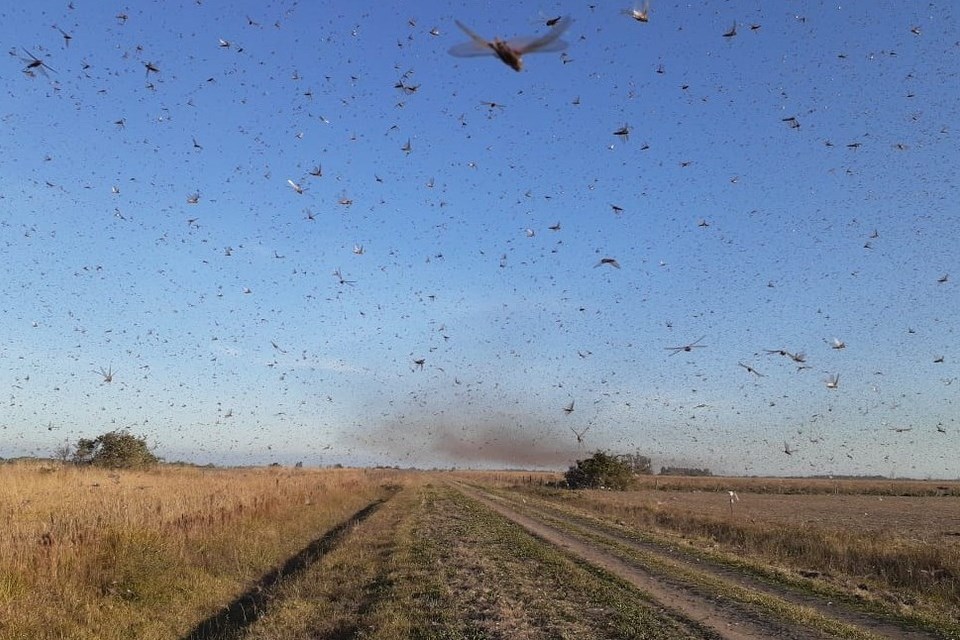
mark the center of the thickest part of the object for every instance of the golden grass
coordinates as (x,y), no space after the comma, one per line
(92,553)
(359,586)
(500,479)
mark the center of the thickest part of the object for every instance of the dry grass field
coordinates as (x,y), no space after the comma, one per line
(303,553)
(90,553)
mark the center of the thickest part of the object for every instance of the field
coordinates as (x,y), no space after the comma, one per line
(275,553)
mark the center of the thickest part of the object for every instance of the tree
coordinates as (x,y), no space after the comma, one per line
(115,450)
(600,471)
(684,471)
(639,464)
(63,452)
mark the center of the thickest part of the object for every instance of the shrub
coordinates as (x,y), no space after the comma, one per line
(115,450)
(600,471)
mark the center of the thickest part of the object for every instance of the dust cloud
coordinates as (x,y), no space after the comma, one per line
(503,446)
(500,440)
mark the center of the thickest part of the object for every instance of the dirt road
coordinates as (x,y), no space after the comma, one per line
(443,559)
(731,604)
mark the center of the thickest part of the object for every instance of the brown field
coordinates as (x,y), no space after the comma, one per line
(194,553)
(805,486)
(923,519)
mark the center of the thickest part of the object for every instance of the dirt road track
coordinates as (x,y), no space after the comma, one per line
(729,618)
(232,620)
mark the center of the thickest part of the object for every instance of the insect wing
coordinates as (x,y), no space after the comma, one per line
(524,46)
(549,42)
(469,32)
(476,47)
(470,50)
(33,62)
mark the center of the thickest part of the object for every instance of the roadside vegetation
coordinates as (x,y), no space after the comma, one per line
(94,553)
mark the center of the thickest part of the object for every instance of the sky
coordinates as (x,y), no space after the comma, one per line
(258,232)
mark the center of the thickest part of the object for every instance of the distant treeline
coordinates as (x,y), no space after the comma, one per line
(684,471)
(853,477)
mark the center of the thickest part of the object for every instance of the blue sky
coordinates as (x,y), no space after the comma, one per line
(231,340)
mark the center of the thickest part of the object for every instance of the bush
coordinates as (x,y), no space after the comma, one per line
(600,471)
(115,450)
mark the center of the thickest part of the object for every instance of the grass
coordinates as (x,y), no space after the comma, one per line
(380,582)
(88,553)
(84,548)
(508,583)
(433,565)
(899,573)
(665,565)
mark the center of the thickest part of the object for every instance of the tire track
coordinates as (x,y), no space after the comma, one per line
(232,620)
(844,613)
(710,614)
(727,617)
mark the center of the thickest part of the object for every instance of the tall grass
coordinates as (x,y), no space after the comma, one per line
(881,557)
(91,553)
(507,478)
